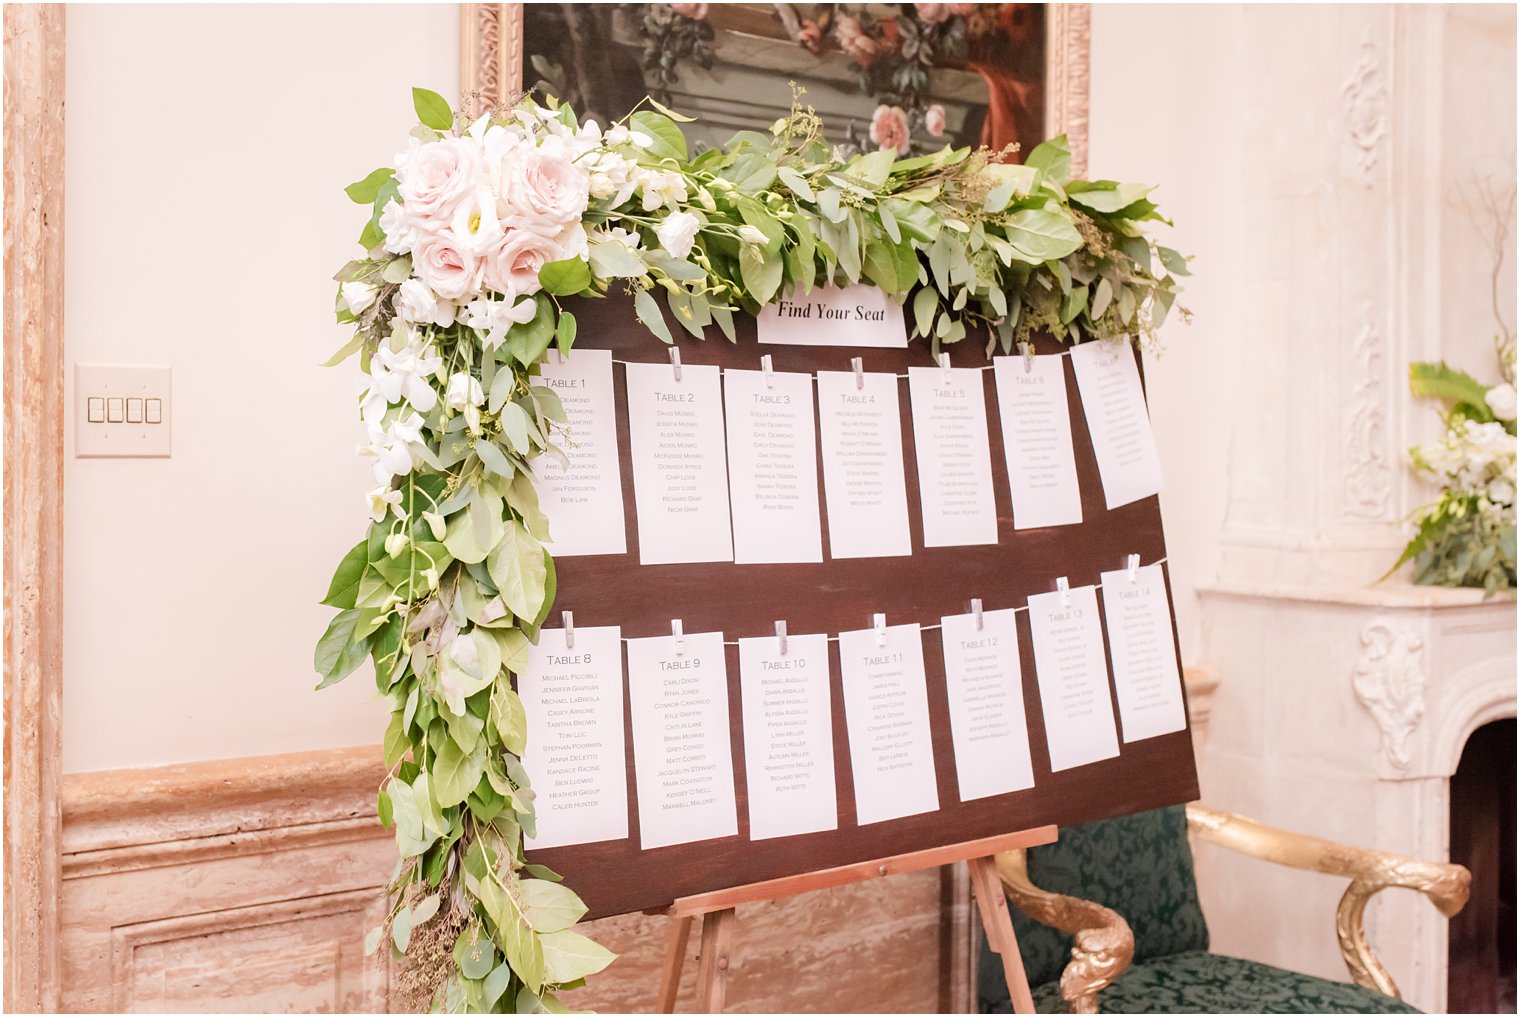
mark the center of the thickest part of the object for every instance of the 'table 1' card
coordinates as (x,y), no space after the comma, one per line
(886,708)
(1068,660)
(773,467)
(1042,469)
(788,736)
(682,762)
(986,694)
(573,696)
(1140,639)
(864,483)
(1114,404)
(583,500)
(954,457)
(680,478)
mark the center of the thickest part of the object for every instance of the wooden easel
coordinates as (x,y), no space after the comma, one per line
(717,911)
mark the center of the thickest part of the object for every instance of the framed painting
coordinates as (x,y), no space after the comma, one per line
(914,77)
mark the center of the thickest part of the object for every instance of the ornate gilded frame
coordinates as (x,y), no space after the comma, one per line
(491,55)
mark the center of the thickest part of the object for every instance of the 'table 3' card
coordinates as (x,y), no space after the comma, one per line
(1114,404)
(680,478)
(986,694)
(788,736)
(773,467)
(682,763)
(1139,619)
(886,708)
(1068,661)
(573,696)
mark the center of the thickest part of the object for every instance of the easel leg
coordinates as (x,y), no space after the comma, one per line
(675,960)
(712,972)
(993,905)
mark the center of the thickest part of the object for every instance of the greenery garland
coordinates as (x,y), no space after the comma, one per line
(476,234)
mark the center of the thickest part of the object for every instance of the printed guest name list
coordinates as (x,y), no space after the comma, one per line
(584,500)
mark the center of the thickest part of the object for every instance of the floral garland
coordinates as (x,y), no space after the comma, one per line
(475,235)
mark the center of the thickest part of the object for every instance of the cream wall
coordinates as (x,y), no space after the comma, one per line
(207,148)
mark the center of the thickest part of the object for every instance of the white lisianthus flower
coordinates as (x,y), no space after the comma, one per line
(751,234)
(404,375)
(416,302)
(464,390)
(381,500)
(358,295)
(475,228)
(678,232)
(495,317)
(1501,399)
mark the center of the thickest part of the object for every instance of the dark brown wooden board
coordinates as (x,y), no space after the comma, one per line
(616,877)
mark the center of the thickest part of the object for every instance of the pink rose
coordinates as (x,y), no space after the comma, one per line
(512,268)
(437,178)
(889,128)
(932,14)
(810,37)
(447,269)
(857,45)
(696,12)
(934,120)
(547,192)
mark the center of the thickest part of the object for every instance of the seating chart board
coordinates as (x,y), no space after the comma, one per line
(1130,768)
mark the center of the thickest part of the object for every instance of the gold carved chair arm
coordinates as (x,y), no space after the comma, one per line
(1370,871)
(1104,944)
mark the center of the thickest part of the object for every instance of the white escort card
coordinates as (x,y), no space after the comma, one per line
(680,479)
(682,762)
(1140,639)
(886,707)
(864,483)
(834,316)
(585,501)
(1042,470)
(1073,677)
(1114,404)
(954,456)
(986,693)
(788,736)
(773,467)
(573,697)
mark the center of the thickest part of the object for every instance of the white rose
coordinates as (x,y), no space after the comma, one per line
(415,302)
(400,229)
(358,295)
(1501,399)
(678,232)
(438,177)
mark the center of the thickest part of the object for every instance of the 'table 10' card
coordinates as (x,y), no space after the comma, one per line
(788,735)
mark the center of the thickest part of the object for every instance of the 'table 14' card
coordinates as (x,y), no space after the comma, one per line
(1139,618)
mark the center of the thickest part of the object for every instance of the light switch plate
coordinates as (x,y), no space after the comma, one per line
(122,435)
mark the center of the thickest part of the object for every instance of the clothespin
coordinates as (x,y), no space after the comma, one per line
(858,366)
(976,612)
(781,636)
(675,362)
(569,629)
(1028,350)
(1065,590)
(944,365)
(879,621)
(765,365)
(1133,564)
(678,635)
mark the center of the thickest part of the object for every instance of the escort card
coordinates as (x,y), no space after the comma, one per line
(954,457)
(773,467)
(585,501)
(986,693)
(1068,661)
(1114,404)
(886,708)
(573,697)
(864,483)
(834,316)
(682,762)
(1140,639)
(680,480)
(788,736)
(1042,471)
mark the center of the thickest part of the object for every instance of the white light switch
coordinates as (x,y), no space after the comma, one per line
(121,411)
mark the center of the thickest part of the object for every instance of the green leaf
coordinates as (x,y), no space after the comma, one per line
(432,109)
(1042,234)
(761,273)
(1053,158)
(796,182)
(613,260)
(496,983)
(528,341)
(456,772)
(517,568)
(669,142)
(396,742)
(475,530)
(474,954)
(1175,263)
(874,167)
(680,118)
(564,334)
(565,278)
(924,303)
(1101,296)
(1108,200)
(510,719)
(569,956)
(364,191)
(1458,389)
(648,312)
(493,458)
(344,588)
(401,928)
(549,907)
(341,649)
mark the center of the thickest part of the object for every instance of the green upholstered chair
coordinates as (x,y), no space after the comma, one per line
(1108,920)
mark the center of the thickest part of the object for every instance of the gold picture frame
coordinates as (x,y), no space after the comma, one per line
(491,59)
